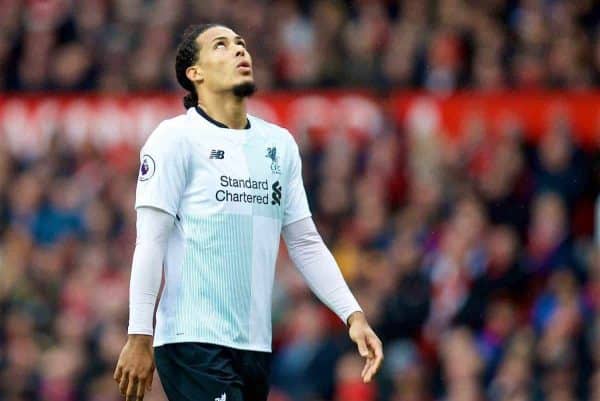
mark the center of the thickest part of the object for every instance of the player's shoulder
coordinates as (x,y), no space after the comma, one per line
(272,130)
(168,133)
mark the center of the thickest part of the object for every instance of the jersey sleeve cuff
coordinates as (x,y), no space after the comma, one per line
(294,219)
(162,207)
(140,330)
(346,315)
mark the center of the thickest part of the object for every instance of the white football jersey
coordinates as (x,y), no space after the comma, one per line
(231,191)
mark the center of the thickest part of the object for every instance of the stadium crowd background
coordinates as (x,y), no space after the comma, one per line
(475,262)
(124,45)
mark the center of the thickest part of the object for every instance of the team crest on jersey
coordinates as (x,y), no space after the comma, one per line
(147,168)
(272,154)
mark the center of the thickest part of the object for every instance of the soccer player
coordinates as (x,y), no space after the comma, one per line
(217,188)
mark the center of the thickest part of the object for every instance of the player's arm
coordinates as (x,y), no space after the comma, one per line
(161,185)
(135,367)
(319,268)
(322,274)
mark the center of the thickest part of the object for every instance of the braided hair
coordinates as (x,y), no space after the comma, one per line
(187,55)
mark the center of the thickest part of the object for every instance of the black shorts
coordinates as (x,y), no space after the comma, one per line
(209,372)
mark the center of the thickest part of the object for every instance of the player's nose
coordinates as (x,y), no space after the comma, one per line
(240,51)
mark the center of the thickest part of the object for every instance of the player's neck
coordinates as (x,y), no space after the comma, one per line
(227,109)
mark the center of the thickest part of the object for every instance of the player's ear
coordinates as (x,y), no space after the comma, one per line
(194,73)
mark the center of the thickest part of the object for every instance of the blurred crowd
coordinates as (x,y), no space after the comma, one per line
(474,260)
(442,45)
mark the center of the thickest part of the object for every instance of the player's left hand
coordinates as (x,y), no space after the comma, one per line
(369,345)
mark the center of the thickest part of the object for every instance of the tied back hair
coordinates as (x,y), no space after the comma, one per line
(187,55)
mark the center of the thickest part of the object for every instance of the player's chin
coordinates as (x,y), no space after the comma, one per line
(244,88)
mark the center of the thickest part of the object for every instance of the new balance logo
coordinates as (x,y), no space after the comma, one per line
(223,397)
(217,154)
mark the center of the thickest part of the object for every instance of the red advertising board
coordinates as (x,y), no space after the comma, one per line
(28,122)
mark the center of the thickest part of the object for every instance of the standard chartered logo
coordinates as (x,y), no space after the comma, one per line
(247,190)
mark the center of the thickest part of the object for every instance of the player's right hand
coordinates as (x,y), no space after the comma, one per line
(135,368)
(369,345)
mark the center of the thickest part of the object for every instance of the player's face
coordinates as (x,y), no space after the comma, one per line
(224,60)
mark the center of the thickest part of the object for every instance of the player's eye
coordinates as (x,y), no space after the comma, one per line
(242,43)
(219,44)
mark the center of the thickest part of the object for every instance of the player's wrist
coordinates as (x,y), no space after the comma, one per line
(141,339)
(355,317)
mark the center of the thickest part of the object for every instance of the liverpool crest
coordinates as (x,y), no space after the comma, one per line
(272,154)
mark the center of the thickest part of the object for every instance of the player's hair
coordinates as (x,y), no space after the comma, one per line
(187,55)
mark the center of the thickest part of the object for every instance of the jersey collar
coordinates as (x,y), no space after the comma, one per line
(219,124)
